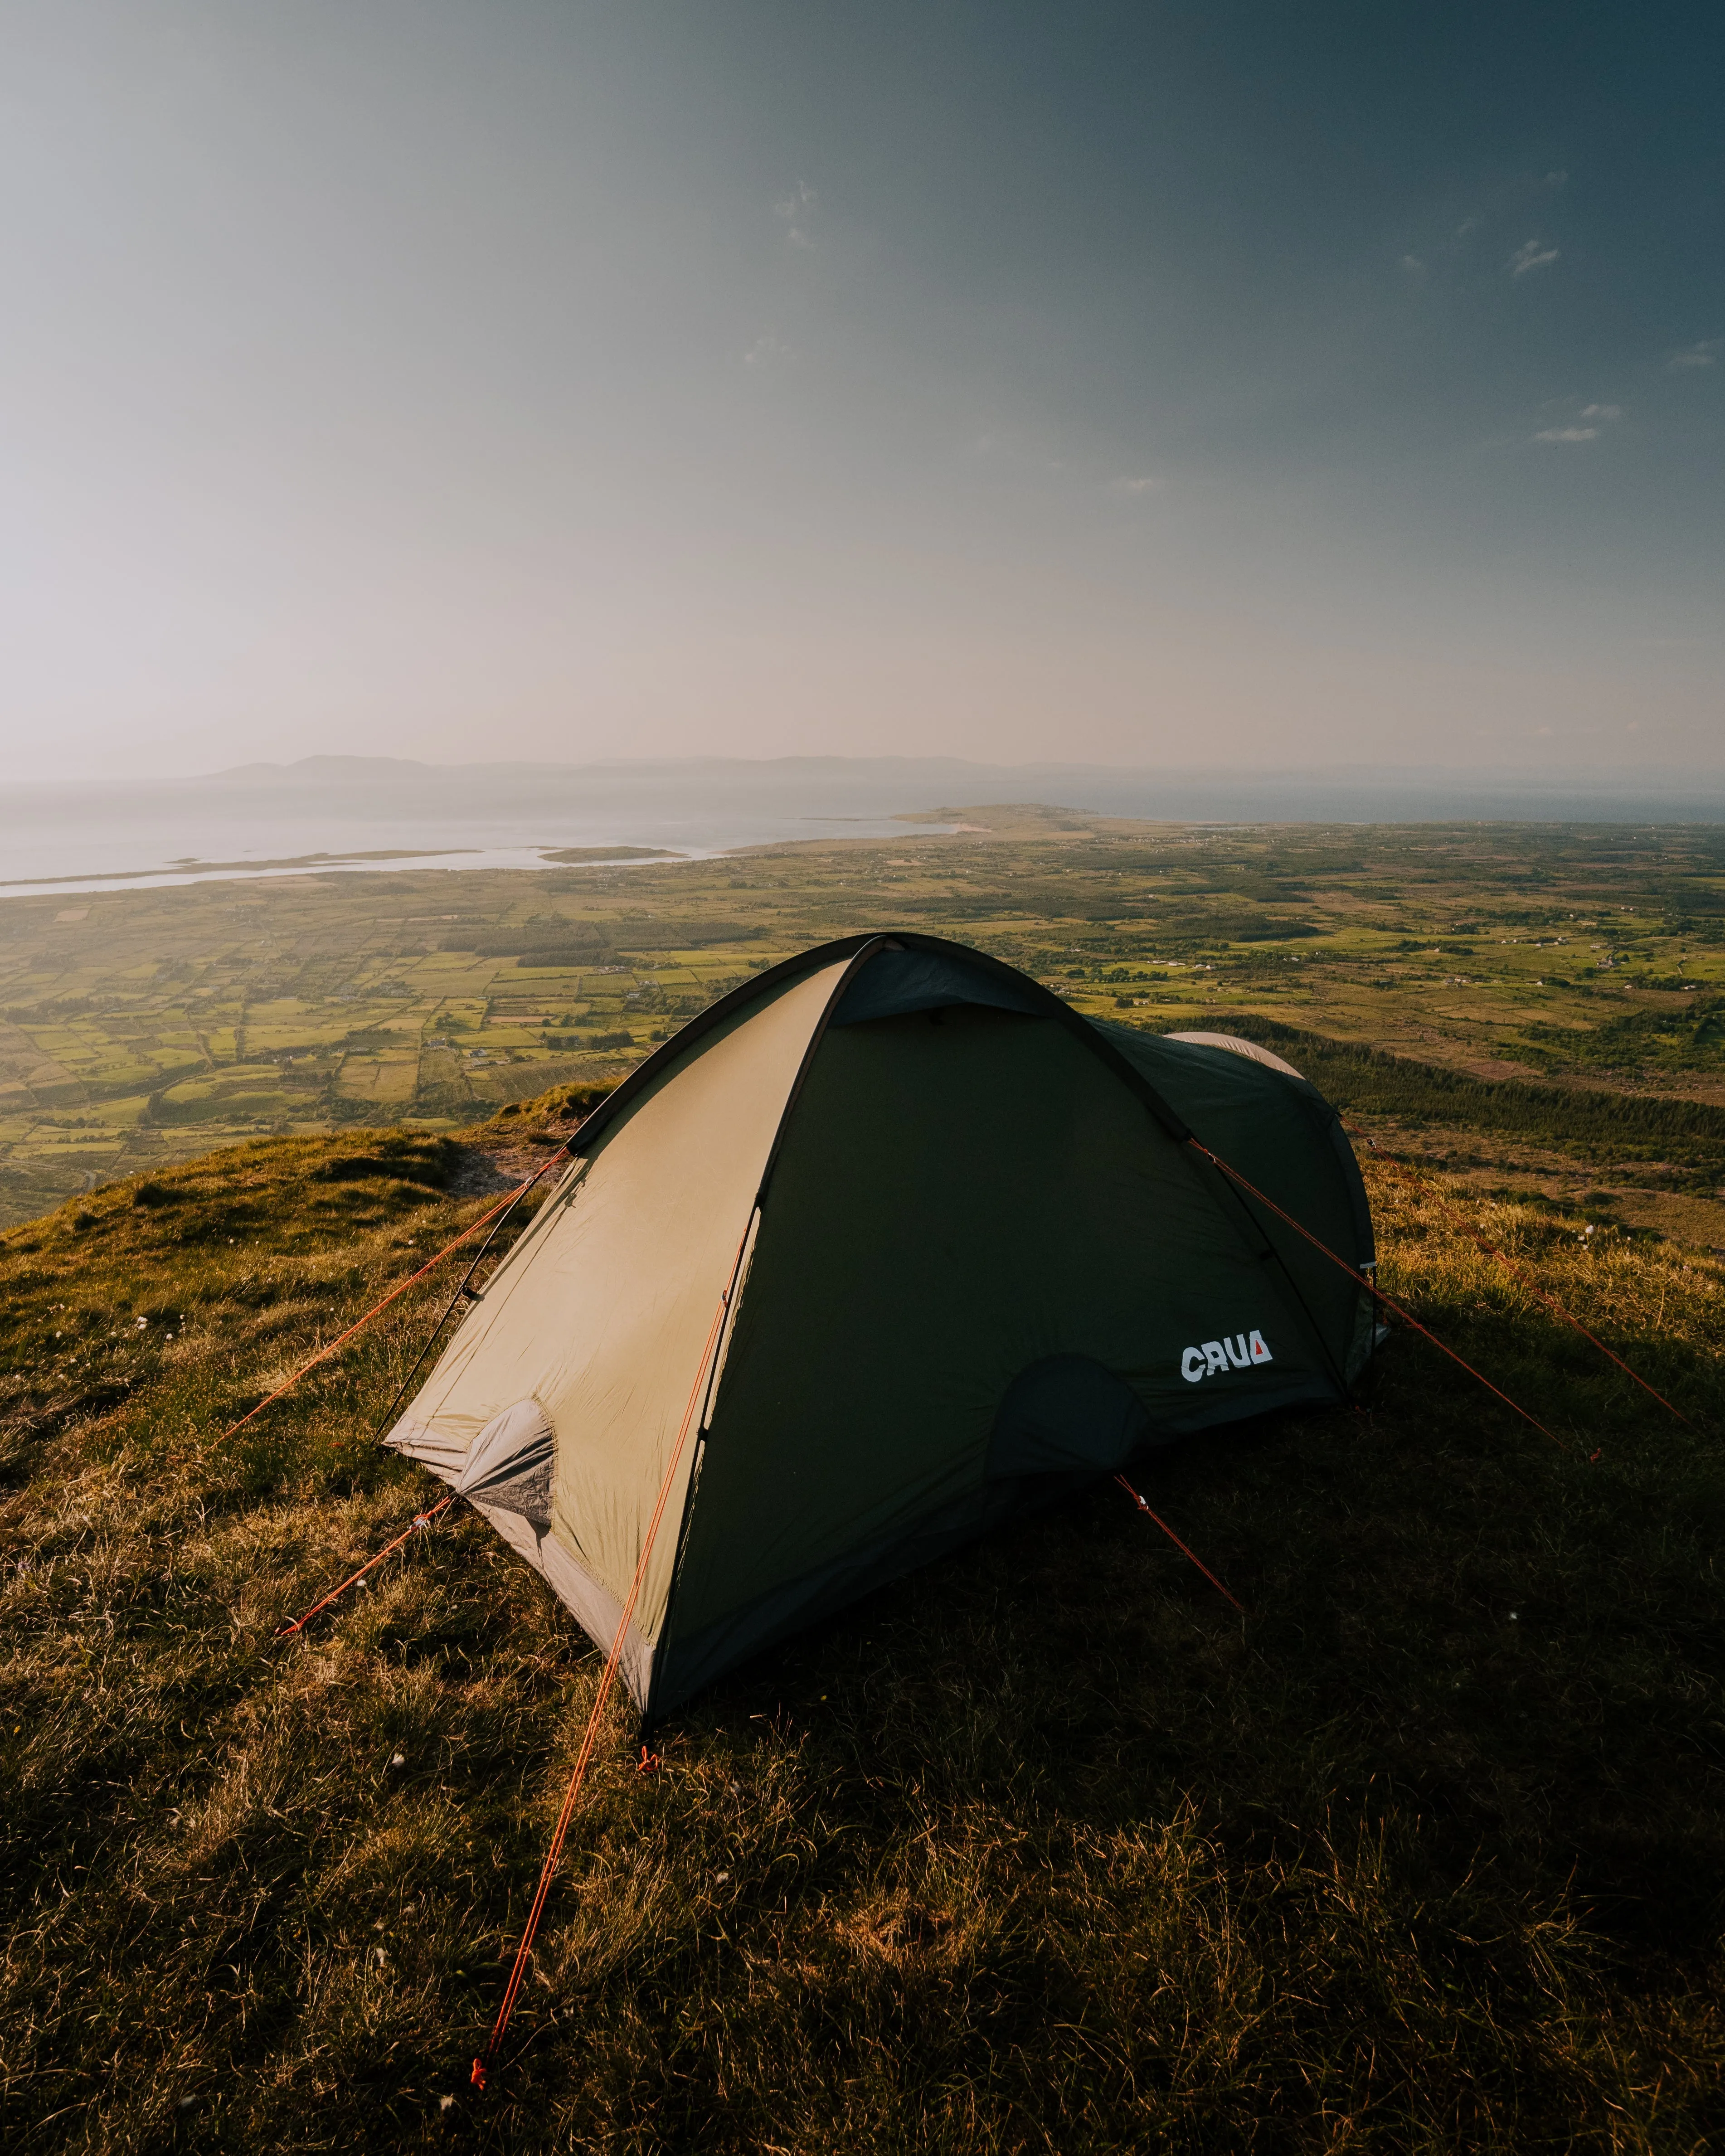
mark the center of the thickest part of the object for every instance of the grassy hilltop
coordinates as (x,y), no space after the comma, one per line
(1044,1849)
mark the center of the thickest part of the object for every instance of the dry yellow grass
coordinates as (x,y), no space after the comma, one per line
(1042,1849)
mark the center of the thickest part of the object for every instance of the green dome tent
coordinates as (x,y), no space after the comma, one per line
(888,1244)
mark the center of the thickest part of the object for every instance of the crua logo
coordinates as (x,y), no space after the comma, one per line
(1216,1356)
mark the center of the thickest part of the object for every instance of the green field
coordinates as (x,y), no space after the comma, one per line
(141,1027)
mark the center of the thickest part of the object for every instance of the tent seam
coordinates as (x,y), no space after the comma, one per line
(751,1234)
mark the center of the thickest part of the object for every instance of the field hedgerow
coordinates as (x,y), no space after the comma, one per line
(1043,1849)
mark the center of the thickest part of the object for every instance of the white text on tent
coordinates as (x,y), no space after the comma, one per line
(1215,1356)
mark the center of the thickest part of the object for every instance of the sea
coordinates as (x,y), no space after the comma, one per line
(349,814)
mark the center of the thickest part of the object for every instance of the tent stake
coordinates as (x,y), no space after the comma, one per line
(1178,1544)
(416,1525)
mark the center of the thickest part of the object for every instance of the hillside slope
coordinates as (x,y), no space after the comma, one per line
(1044,1849)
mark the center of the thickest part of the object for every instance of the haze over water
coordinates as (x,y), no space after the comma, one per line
(84,837)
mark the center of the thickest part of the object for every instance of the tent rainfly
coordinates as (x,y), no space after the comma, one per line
(887,1245)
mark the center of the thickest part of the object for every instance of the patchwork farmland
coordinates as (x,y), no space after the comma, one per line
(137,1028)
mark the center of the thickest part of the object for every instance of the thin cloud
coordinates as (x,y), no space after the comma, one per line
(795,212)
(1412,264)
(768,350)
(1704,354)
(1531,255)
(1133,485)
(1588,423)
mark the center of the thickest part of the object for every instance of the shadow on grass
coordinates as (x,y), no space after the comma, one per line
(1044,1848)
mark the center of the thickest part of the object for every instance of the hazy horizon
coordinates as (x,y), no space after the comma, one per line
(1161,389)
(75,835)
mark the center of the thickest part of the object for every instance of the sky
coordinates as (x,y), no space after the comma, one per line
(1225,385)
